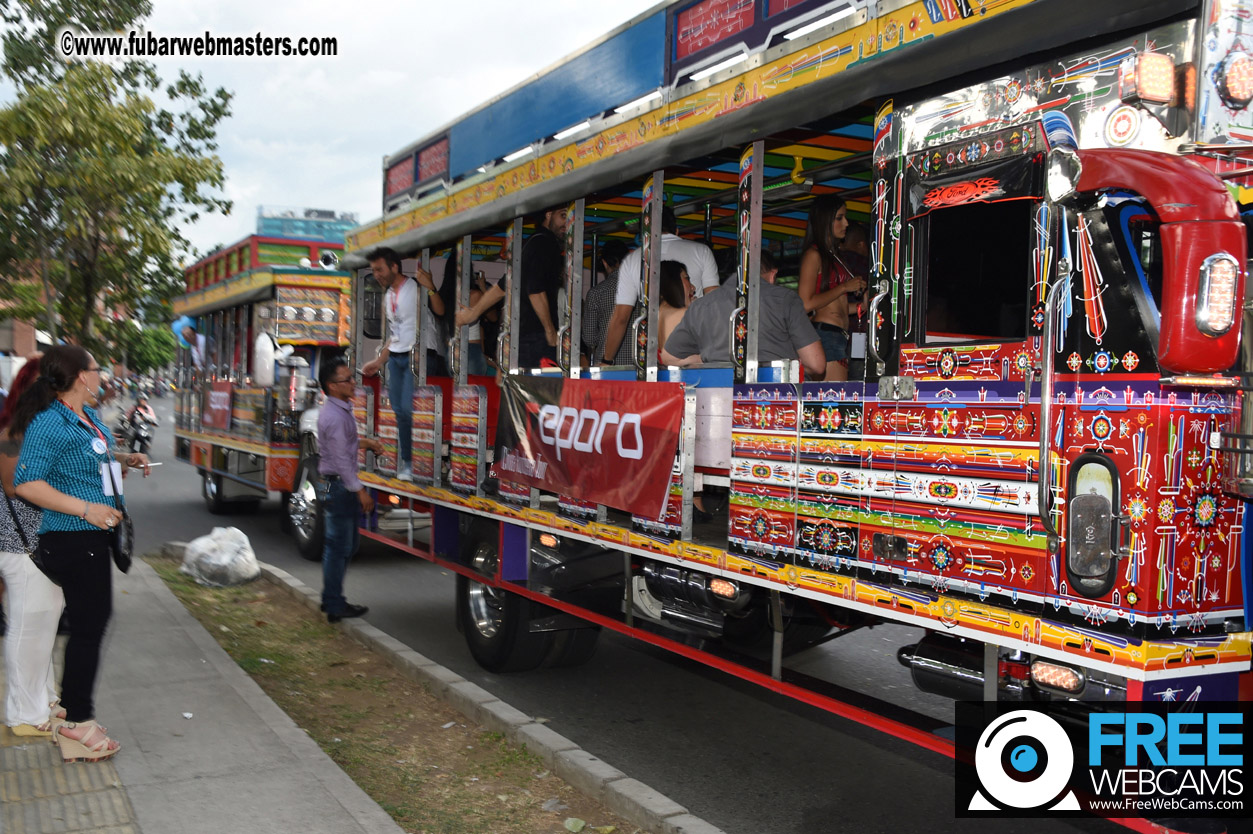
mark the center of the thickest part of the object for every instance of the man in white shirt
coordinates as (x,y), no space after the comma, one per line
(198,345)
(696,257)
(401,308)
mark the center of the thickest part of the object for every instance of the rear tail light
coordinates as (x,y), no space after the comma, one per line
(1150,76)
(723,588)
(1055,677)
(1216,296)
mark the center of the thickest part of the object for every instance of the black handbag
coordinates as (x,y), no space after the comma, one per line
(122,542)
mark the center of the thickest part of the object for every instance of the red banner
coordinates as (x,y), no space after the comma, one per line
(609,442)
(216,413)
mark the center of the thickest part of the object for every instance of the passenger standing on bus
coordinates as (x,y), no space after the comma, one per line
(675,294)
(783,329)
(401,307)
(343,497)
(826,282)
(198,346)
(542,269)
(698,258)
(598,305)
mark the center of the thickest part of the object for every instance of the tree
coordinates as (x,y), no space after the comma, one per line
(96,178)
(149,348)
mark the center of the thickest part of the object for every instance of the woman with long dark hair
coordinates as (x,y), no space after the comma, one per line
(34,603)
(826,282)
(675,292)
(66,468)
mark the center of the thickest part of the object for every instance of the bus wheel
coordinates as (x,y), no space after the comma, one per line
(304,515)
(497,623)
(211,489)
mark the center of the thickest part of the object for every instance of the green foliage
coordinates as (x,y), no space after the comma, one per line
(31,25)
(149,348)
(100,166)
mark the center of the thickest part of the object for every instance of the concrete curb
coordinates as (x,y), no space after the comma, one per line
(634,800)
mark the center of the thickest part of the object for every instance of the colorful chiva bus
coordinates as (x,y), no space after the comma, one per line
(265,310)
(1040,453)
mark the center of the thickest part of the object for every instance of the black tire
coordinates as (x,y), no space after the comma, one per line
(572,647)
(211,489)
(284,520)
(303,510)
(496,622)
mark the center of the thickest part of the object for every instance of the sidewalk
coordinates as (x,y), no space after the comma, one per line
(238,764)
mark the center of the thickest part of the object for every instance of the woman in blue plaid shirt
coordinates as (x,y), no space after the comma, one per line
(64,468)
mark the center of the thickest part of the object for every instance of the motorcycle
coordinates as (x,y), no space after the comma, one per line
(140,428)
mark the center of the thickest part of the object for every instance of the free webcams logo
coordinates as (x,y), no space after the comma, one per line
(1109,759)
(1024,761)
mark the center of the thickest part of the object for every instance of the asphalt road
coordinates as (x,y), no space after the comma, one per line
(743,758)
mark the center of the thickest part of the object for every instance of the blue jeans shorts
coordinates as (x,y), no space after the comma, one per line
(834,341)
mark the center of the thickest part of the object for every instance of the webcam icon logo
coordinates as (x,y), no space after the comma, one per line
(1024,762)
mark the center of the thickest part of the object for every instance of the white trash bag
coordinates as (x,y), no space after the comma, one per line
(224,557)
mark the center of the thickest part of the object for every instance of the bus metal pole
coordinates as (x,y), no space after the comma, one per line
(645,344)
(513,296)
(596,264)
(571,345)
(228,353)
(748,287)
(417,359)
(776,635)
(460,347)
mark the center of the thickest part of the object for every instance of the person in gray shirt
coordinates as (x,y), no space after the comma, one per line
(783,329)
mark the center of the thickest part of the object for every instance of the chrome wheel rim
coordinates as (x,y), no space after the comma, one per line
(302,507)
(210,487)
(486,603)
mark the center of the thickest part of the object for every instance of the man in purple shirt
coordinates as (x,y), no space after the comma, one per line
(344,499)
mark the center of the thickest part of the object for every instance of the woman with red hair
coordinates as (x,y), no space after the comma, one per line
(34,602)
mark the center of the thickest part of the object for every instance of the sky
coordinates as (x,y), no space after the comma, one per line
(312,132)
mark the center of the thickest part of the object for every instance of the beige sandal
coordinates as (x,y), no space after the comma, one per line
(93,746)
(32,730)
(56,718)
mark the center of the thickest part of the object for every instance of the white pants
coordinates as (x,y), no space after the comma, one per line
(33,605)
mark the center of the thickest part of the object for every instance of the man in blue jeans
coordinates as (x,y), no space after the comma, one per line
(400,305)
(343,497)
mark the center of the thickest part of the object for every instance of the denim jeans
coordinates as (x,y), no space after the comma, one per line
(834,342)
(478,362)
(341,512)
(400,390)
